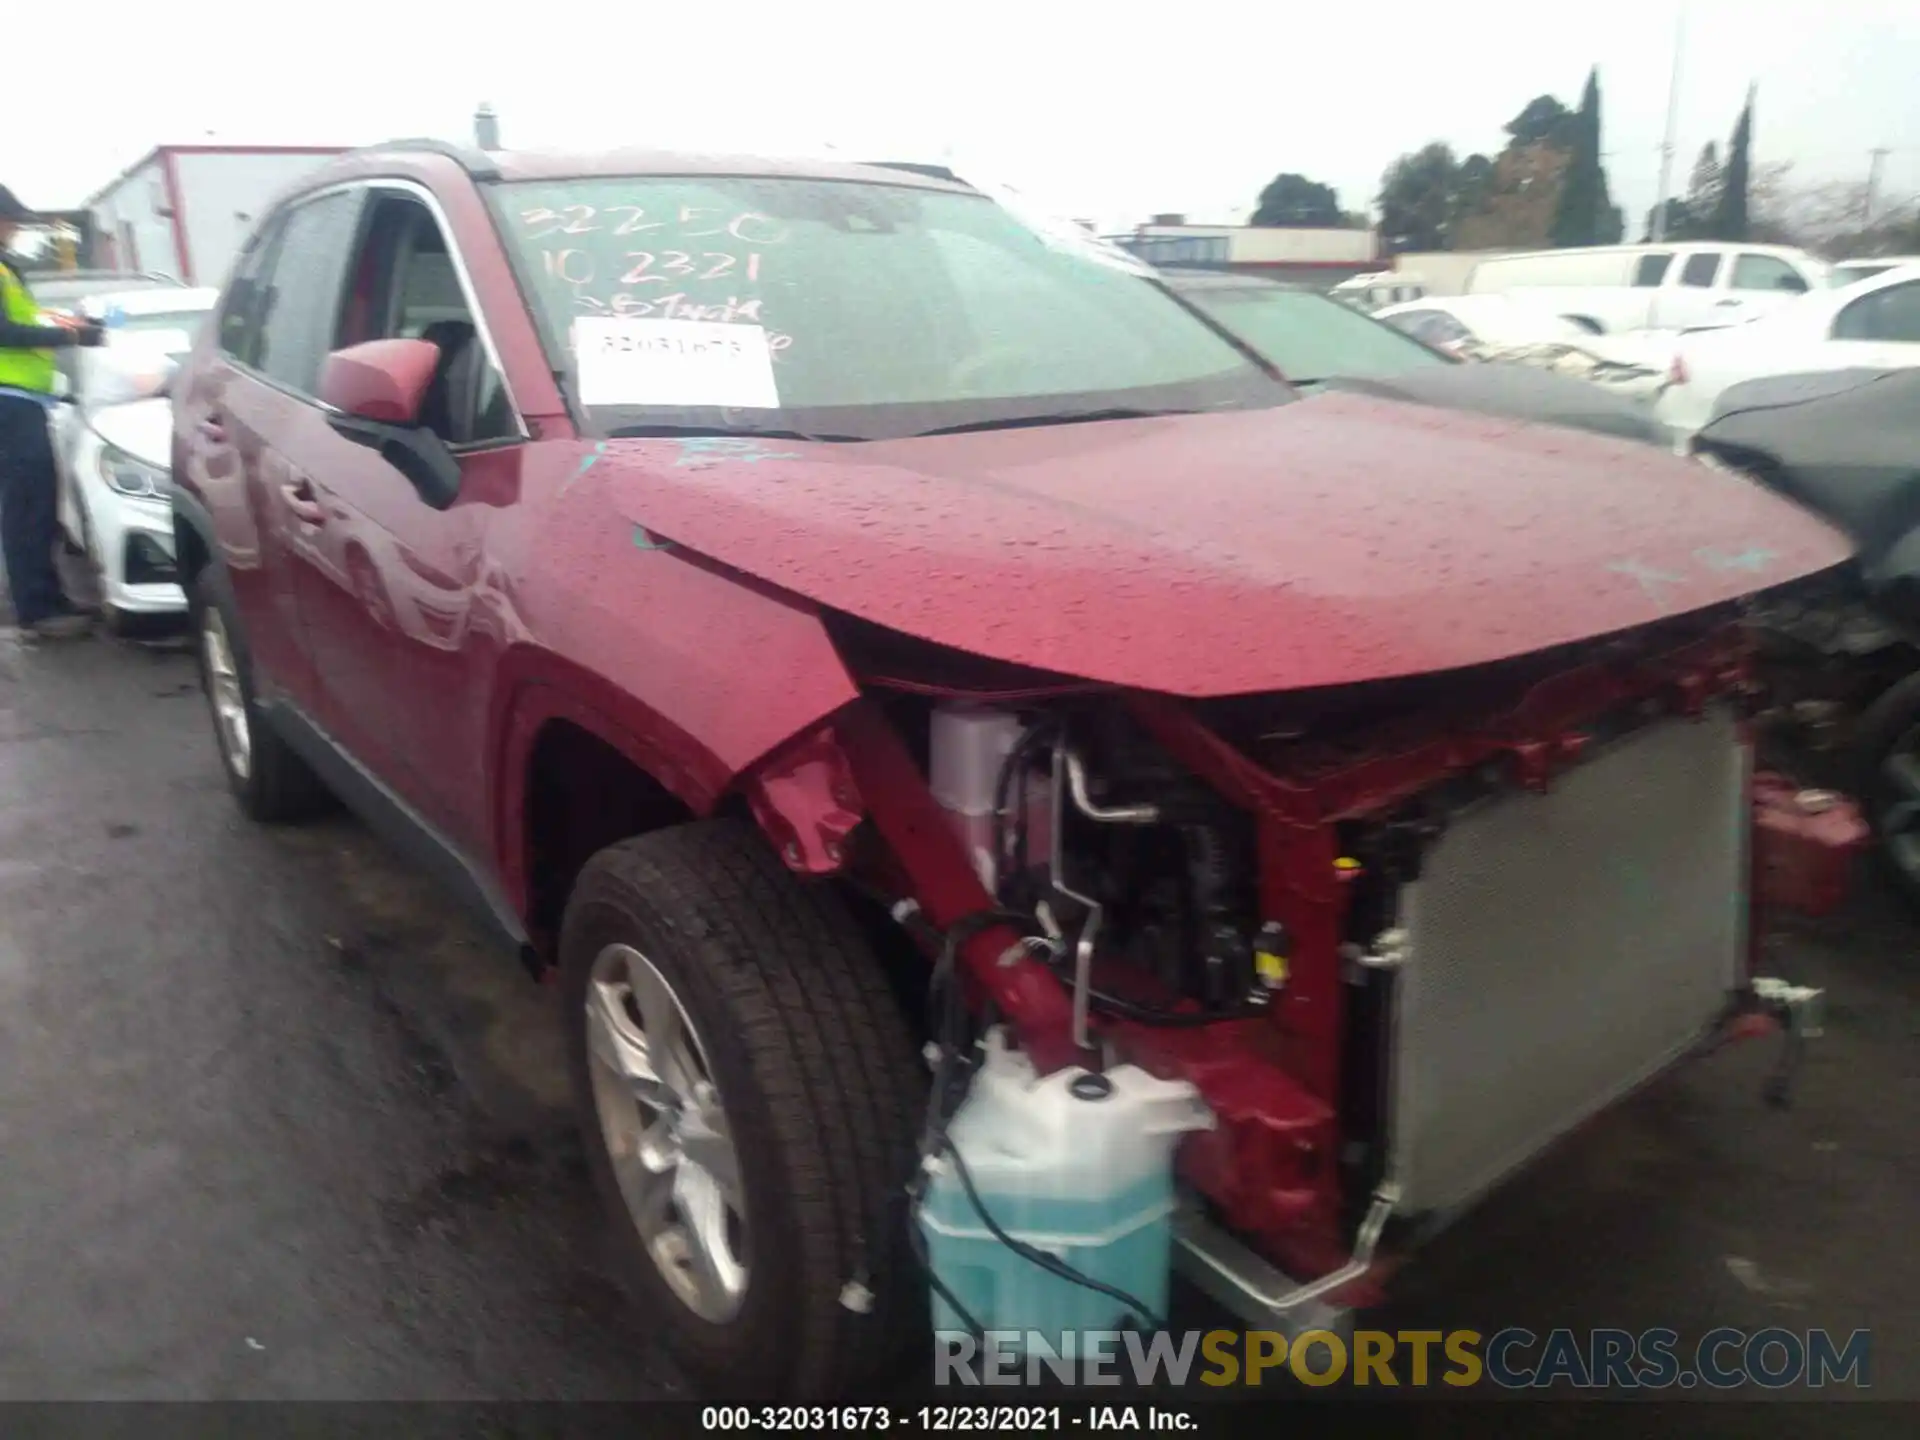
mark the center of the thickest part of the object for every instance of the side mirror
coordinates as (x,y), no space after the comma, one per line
(384,381)
(376,391)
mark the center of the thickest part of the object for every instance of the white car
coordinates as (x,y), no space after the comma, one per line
(1852,272)
(1873,324)
(112,438)
(1521,331)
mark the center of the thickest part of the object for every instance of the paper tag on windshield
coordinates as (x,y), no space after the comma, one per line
(622,361)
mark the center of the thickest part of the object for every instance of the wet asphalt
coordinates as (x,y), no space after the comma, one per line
(276,1123)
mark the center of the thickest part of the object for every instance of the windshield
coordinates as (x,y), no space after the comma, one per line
(1309,337)
(847,310)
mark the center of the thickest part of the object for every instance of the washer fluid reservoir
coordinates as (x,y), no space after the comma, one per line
(1076,1164)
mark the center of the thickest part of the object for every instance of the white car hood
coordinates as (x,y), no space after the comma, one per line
(142,428)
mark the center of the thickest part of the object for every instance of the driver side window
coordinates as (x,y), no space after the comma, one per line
(403,284)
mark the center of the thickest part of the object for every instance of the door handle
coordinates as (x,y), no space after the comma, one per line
(299,497)
(211,429)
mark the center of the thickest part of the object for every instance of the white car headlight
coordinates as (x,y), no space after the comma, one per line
(130,476)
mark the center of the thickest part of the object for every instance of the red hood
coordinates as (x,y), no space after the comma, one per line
(1335,540)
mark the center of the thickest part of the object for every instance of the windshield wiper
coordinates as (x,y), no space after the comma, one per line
(727,432)
(1064,417)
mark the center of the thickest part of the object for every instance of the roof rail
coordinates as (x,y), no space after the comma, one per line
(476,163)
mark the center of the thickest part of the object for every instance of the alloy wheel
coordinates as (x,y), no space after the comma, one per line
(667,1132)
(224,692)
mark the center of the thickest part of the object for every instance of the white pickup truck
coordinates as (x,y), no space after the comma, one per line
(1611,288)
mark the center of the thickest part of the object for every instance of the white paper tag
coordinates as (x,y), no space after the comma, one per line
(623,361)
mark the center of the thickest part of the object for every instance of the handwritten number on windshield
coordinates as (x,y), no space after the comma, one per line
(749,226)
(712,265)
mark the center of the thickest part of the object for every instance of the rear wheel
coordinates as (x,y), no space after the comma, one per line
(748,1094)
(269,780)
(1887,744)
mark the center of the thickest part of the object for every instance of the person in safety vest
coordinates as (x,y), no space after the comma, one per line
(29,505)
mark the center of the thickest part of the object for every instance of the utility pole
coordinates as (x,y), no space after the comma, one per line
(1876,155)
(1659,229)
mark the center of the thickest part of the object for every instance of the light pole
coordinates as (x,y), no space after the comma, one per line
(1659,228)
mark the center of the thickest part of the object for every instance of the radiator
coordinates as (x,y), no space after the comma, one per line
(1561,949)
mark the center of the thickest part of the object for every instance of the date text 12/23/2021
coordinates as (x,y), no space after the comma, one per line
(951,1419)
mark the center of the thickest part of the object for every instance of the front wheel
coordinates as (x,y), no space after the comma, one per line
(749,1094)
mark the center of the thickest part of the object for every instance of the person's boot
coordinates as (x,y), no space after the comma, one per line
(59,627)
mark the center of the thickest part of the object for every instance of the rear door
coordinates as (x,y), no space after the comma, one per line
(1688,294)
(261,409)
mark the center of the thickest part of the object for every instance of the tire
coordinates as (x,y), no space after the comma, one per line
(1891,726)
(271,783)
(819,1088)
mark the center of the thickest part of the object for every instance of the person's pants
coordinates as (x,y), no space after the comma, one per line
(29,510)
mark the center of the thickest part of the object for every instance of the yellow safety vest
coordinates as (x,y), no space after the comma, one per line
(23,369)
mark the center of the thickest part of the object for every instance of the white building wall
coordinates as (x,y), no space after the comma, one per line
(223,194)
(130,213)
(1281,245)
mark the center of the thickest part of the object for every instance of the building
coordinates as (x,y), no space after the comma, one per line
(185,210)
(1321,258)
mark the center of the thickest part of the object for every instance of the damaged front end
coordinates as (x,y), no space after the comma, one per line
(1399,936)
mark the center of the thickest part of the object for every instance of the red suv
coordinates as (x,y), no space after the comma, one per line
(814,613)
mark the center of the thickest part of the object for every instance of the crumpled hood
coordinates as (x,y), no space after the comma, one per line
(1322,543)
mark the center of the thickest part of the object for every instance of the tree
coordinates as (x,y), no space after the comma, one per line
(1542,121)
(1730,219)
(1583,212)
(1518,211)
(1703,186)
(1417,199)
(1294,200)
(1682,223)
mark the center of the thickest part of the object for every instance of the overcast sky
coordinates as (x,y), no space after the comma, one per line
(1093,113)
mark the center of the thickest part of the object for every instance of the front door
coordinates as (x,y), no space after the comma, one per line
(404,631)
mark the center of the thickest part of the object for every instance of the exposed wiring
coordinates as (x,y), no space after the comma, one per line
(1010,849)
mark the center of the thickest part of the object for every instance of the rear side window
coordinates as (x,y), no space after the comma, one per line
(1700,269)
(1652,269)
(299,295)
(1766,272)
(1891,315)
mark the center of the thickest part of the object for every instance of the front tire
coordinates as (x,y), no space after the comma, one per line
(749,1094)
(271,783)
